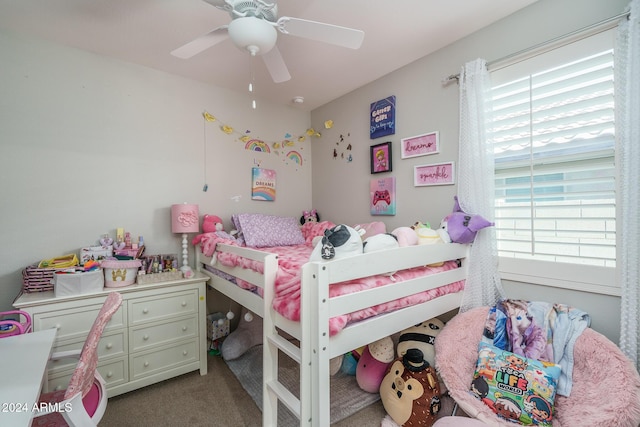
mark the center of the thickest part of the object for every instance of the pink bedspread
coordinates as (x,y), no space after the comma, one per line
(288,279)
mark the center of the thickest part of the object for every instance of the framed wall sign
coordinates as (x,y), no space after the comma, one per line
(263,184)
(382,115)
(434,174)
(420,145)
(382,196)
(380,157)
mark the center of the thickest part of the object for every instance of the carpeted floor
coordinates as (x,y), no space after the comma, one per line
(347,397)
(216,399)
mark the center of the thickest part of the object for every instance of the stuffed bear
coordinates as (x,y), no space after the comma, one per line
(211,224)
(338,242)
(410,391)
(462,227)
(421,336)
(374,363)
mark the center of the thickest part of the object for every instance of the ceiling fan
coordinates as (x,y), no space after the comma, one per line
(253,29)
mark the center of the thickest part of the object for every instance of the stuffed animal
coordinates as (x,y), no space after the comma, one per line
(406,236)
(248,334)
(309,216)
(374,363)
(421,336)
(211,224)
(410,391)
(380,242)
(462,227)
(338,242)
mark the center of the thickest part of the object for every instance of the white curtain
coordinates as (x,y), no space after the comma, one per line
(627,89)
(476,183)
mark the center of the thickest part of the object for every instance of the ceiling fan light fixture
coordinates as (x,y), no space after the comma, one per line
(253,34)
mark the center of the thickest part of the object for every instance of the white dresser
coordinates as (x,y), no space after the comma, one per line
(159,332)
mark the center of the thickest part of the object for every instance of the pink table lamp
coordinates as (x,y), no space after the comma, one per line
(185,219)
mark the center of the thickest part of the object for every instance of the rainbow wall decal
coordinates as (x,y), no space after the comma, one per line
(257,145)
(295,156)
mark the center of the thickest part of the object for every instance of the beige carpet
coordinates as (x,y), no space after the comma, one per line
(216,399)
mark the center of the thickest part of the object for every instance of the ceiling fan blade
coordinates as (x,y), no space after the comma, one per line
(327,33)
(276,66)
(204,42)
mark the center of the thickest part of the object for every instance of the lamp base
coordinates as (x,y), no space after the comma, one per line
(187,272)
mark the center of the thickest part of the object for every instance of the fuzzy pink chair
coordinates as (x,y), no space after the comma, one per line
(84,401)
(606,384)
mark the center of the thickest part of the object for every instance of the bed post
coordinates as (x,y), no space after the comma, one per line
(314,385)
(269,348)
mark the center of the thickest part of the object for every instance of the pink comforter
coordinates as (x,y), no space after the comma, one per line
(288,279)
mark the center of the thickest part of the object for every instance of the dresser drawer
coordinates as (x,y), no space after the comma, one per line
(163,358)
(114,372)
(163,306)
(142,337)
(75,323)
(111,344)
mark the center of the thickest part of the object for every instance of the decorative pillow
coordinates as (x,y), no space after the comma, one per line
(516,388)
(259,230)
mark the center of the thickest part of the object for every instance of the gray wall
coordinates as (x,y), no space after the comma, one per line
(340,189)
(89,144)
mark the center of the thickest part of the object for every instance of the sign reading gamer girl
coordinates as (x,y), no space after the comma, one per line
(383,117)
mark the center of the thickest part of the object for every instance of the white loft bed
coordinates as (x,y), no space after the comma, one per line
(312,332)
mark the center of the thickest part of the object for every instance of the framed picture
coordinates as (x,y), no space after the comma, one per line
(434,174)
(382,116)
(420,145)
(382,196)
(263,184)
(381,158)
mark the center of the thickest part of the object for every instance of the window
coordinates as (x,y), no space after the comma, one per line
(554,145)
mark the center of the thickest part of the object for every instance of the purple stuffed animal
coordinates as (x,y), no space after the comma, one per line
(463,227)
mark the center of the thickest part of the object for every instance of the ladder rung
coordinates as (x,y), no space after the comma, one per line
(285,396)
(287,347)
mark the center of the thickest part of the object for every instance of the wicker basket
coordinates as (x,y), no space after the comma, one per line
(36,279)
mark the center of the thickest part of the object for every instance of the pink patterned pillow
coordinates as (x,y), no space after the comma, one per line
(261,230)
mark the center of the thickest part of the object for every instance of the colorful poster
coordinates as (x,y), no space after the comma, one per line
(382,194)
(383,117)
(263,184)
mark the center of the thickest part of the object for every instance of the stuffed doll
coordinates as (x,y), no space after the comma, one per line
(421,336)
(410,391)
(374,363)
(338,242)
(462,227)
(309,216)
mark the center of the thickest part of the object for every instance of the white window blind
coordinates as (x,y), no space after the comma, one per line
(554,145)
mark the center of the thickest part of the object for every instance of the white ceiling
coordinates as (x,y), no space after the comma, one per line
(146,31)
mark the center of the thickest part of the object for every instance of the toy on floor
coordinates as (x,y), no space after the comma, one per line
(462,227)
(410,391)
(247,335)
(421,336)
(374,363)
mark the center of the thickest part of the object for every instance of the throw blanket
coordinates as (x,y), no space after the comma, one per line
(538,330)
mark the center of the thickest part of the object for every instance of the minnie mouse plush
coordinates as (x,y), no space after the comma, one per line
(309,216)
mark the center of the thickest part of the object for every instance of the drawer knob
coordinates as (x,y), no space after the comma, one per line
(145,337)
(57,326)
(185,352)
(109,374)
(109,346)
(146,364)
(184,303)
(184,328)
(145,310)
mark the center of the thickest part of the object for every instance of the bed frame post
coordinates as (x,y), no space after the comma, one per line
(315,384)
(269,348)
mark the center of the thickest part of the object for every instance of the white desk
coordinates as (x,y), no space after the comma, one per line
(23,363)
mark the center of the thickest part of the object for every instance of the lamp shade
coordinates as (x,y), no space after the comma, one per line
(185,218)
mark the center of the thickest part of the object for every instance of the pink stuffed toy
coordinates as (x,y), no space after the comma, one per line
(461,226)
(211,223)
(373,364)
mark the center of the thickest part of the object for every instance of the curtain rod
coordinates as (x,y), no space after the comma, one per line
(584,32)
